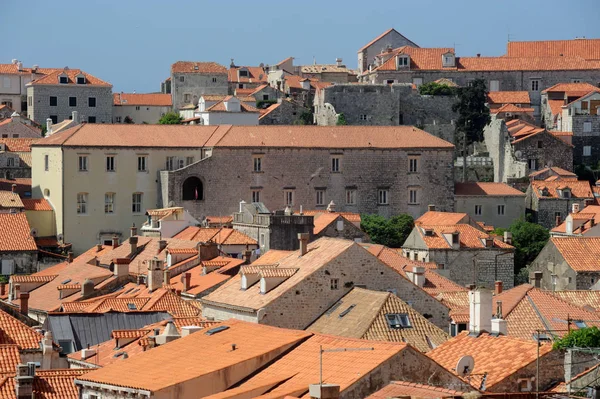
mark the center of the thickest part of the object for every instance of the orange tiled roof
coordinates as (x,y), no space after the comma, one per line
(219,219)
(555,170)
(200,282)
(580,253)
(151,99)
(224,236)
(255,75)
(16,332)
(31,278)
(220,107)
(512,109)
(350,216)
(525,64)
(8,199)
(586,218)
(53,77)
(398,389)
(439,218)
(23,184)
(508,97)
(9,358)
(420,58)
(585,48)
(18,144)
(15,233)
(47,384)
(469,237)
(579,188)
(39,204)
(198,67)
(582,298)
(499,357)
(376,39)
(572,89)
(490,189)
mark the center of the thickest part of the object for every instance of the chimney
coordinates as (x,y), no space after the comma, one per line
(575,207)
(24,302)
(187,280)
(75,117)
(480,311)
(508,237)
(115,241)
(470,287)
(99,247)
(87,289)
(418,276)
(169,334)
(24,382)
(242,203)
(20,66)
(478,55)
(34,68)
(187,330)
(133,241)
(498,287)
(535,279)
(331,207)
(162,244)
(247,257)
(133,230)
(489,242)
(569,222)
(499,327)
(338,62)
(13,188)
(303,239)
(431,207)
(121,267)
(70,257)
(17,288)
(155,274)
(87,352)
(166,276)
(48,126)
(324,391)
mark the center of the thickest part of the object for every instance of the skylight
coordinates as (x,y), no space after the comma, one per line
(216,330)
(131,306)
(345,312)
(398,320)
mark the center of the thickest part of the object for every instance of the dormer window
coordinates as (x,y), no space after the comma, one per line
(397,321)
(403,61)
(448,60)
(80,80)
(63,79)
(566,193)
(243,73)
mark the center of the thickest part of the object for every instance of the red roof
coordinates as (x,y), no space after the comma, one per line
(198,67)
(15,233)
(40,204)
(18,144)
(255,75)
(489,189)
(72,74)
(420,58)
(152,99)
(513,109)
(509,97)
(588,49)
(572,89)
(580,253)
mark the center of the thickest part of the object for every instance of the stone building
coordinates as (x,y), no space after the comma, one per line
(559,95)
(388,39)
(310,166)
(523,73)
(329,223)
(284,112)
(245,78)
(332,73)
(463,253)
(140,108)
(15,157)
(307,282)
(56,95)
(230,111)
(494,204)
(568,263)
(14,77)
(190,80)
(18,127)
(550,201)
(18,251)
(498,99)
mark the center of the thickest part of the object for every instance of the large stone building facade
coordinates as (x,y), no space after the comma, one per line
(388,39)
(190,80)
(380,170)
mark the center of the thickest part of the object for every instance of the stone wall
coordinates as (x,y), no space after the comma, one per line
(544,210)
(286,113)
(25,262)
(547,150)
(551,372)
(40,109)
(349,231)
(227,176)
(591,139)
(506,165)
(196,84)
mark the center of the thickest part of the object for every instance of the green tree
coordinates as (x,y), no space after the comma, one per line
(437,89)
(170,118)
(473,116)
(528,239)
(389,232)
(582,338)
(341,119)
(305,118)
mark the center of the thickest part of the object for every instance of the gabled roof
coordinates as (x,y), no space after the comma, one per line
(587,299)
(401,389)
(150,99)
(223,236)
(255,75)
(500,357)
(420,58)
(378,38)
(585,48)
(469,237)
(199,355)
(513,109)
(486,189)
(555,170)
(508,97)
(579,188)
(581,253)
(8,200)
(53,79)
(15,233)
(439,218)
(47,384)
(18,144)
(15,332)
(220,106)
(585,219)
(572,89)
(361,313)
(211,68)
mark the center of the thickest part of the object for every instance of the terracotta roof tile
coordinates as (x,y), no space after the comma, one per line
(200,282)
(555,170)
(513,109)
(198,67)
(439,218)
(398,389)
(8,199)
(420,58)
(579,188)
(18,144)
(255,75)
(508,97)
(40,204)
(15,332)
(525,64)
(224,236)
(582,298)
(580,253)
(52,78)
(15,233)
(469,236)
(584,48)
(9,358)
(486,189)
(376,39)
(47,384)
(151,99)
(219,219)
(572,89)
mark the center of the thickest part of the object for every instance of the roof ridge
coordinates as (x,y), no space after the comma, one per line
(537,311)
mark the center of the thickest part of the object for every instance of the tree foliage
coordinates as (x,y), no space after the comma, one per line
(437,89)
(582,338)
(473,114)
(305,118)
(389,232)
(170,118)
(528,239)
(341,120)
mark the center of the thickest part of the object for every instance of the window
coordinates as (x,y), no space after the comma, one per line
(91,119)
(137,108)
(382,197)
(351,197)
(587,150)
(255,195)
(72,101)
(82,199)
(53,101)
(320,197)
(243,73)
(54,118)
(91,101)
(109,203)
(30,101)
(363,117)
(83,163)
(257,161)
(46,162)
(189,160)
(136,202)
(142,163)
(261,241)
(110,163)
(403,61)
(193,189)
(240,86)
(63,80)
(494,85)
(587,127)
(214,80)
(170,163)
(390,81)
(535,85)
(80,80)
(500,210)
(540,144)
(182,78)
(186,99)
(335,164)
(334,283)
(532,163)
(10,162)
(397,320)
(558,215)
(118,119)
(8,266)
(478,210)
(413,165)
(412,196)
(575,80)
(181,163)
(265,97)
(288,197)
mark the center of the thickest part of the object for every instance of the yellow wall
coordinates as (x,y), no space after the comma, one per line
(43,222)
(50,180)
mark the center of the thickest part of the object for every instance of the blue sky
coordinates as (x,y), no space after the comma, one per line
(132,43)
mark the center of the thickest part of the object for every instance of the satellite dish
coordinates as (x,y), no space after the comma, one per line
(518,154)
(465,366)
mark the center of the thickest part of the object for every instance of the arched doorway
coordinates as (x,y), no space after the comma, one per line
(193,189)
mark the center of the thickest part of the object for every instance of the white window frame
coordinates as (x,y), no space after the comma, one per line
(335,165)
(320,197)
(257,163)
(137,200)
(383,196)
(109,203)
(110,163)
(83,163)
(82,203)
(587,150)
(142,165)
(288,197)
(351,196)
(255,195)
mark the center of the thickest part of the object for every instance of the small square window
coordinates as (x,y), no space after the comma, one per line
(265,97)
(92,102)
(54,118)
(80,80)
(63,80)
(53,101)
(500,210)
(334,283)
(214,80)
(91,119)
(587,150)
(364,117)
(382,197)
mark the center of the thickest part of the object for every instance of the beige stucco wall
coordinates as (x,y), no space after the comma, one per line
(514,208)
(146,113)
(43,221)
(51,180)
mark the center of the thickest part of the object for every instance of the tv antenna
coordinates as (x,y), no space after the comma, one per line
(321,351)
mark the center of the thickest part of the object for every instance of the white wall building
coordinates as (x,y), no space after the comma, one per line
(140,108)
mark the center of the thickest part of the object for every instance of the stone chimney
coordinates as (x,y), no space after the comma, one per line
(2,289)
(480,311)
(498,287)
(338,62)
(418,276)
(575,207)
(48,126)
(13,188)
(324,391)
(166,276)
(569,223)
(508,237)
(169,334)
(162,244)
(115,242)
(121,267)
(24,381)
(155,274)
(87,288)
(187,280)
(535,279)
(331,207)
(247,257)
(303,239)
(24,303)
(133,241)
(133,230)
(99,247)
(75,117)
(499,327)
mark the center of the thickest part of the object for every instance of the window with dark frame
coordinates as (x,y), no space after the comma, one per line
(92,102)
(110,163)
(91,119)
(53,101)
(72,101)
